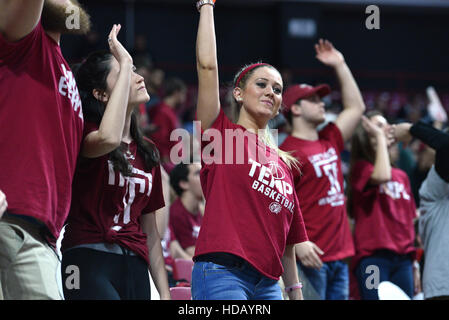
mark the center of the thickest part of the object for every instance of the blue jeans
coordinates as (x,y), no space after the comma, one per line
(212,281)
(331,281)
(392,267)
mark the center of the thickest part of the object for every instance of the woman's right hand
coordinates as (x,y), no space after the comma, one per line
(117,49)
(370,128)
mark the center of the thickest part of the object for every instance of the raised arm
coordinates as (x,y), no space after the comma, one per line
(19,17)
(208,105)
(109,134)
(382,165)
(353,105)
(434,138)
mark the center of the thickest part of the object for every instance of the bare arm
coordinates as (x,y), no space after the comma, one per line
(208,106)
(176,251)
(163,214)
(290,275)
(19,17)
(109,134)
(382,165)
(190,250)
(353,105)
(157,265)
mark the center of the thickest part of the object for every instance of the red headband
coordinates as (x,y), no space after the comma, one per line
(247,69)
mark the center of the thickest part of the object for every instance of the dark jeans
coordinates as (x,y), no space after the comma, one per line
(330,282)
(104,276)
(384,265)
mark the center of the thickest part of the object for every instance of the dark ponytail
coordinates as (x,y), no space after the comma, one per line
(92,74)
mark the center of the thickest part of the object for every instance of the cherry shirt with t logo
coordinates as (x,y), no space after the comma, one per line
(320,188)
(383,213)
(107,207)
(251,206)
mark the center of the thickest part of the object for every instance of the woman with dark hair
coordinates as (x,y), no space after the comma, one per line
(111,235)
(252,219)
(383,208)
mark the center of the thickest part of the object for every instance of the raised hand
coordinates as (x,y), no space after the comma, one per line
(402,133)
(118,51)
(327,54)
(370,128)
(376,132)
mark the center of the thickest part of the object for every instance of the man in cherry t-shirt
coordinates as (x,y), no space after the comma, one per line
(319,182)
(42,125)
(185,216)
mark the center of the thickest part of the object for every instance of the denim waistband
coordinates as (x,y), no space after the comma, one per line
(223,258)
(389,253)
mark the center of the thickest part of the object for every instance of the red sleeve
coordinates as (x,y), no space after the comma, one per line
(361,174)
(297,232)
(156,200)
(332,134)
(14,53)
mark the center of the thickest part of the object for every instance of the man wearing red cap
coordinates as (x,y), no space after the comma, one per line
(319,182)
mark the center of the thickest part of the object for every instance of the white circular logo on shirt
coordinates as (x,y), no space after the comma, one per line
(276,170)
(275,207)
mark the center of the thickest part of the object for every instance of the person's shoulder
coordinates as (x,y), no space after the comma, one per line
(330,130)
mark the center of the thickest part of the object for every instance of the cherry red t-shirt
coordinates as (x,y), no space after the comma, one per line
(383,213)
(320,188)
(106,206)
(251,206)
(41,128)
(165,120)
(185,225)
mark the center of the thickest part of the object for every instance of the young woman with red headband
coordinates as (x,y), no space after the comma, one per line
(252,219)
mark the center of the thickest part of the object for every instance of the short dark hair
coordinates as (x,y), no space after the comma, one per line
(178,174)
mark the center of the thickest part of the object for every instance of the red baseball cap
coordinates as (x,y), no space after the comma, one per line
(300,91)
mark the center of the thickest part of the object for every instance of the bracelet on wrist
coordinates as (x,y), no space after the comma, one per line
(294,286)
(201,3)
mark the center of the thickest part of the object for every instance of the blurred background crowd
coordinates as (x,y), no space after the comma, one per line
(398,67)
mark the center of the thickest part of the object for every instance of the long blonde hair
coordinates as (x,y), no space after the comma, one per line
(240,81)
